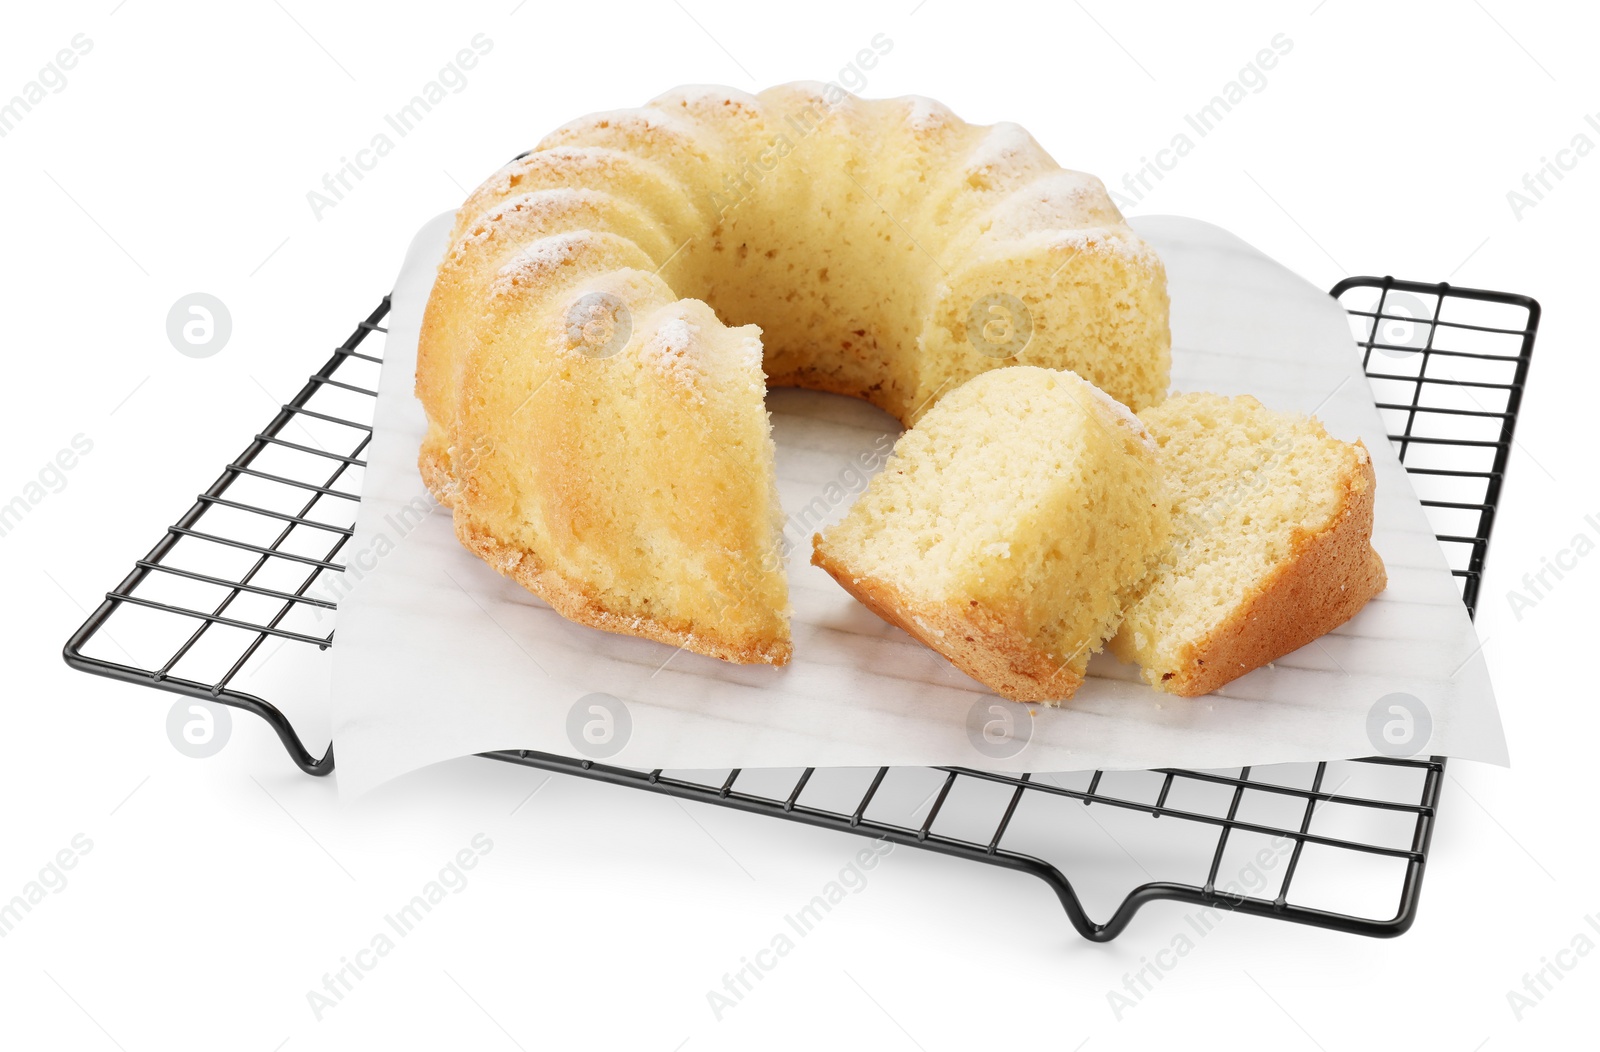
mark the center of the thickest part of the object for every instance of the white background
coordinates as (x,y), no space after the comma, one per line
(217,892)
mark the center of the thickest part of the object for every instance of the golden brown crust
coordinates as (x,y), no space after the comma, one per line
(435,469)
(1328,577)
(572,601)
(977,641)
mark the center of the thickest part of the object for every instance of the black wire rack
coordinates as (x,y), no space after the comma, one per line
(247,566)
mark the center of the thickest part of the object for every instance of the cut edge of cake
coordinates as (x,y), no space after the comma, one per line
(1329,575)
(978,643)
(1006,640)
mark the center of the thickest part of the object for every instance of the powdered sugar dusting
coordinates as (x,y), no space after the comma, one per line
(543,203)
(633,122)
(1060,200)
(539,258)
(550,199)
(670,353)
(1008,238)
(1123,415)
(1105,240)
(562,158)
(1006,143)
(924,114)
(704,96)
(749,353)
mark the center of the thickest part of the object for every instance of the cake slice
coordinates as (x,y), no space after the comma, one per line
(1008,529)
(615,456)
(1271,547)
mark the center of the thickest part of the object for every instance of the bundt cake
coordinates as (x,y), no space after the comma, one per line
(1271,546)
(1008,529)
(593,379)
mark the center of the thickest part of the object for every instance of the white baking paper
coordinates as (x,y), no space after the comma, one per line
(438,656)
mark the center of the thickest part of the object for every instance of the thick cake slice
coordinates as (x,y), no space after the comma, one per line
(658,516)
(1008,529)
(1272,529)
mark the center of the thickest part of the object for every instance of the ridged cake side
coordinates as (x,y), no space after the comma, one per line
(461,290)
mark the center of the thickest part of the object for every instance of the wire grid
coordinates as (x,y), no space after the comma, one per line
(287,542)
(1448,366)
(1324,831)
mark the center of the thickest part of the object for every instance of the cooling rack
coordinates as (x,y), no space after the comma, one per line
(255,565)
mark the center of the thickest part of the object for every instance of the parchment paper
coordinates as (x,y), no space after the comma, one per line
(438,656)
